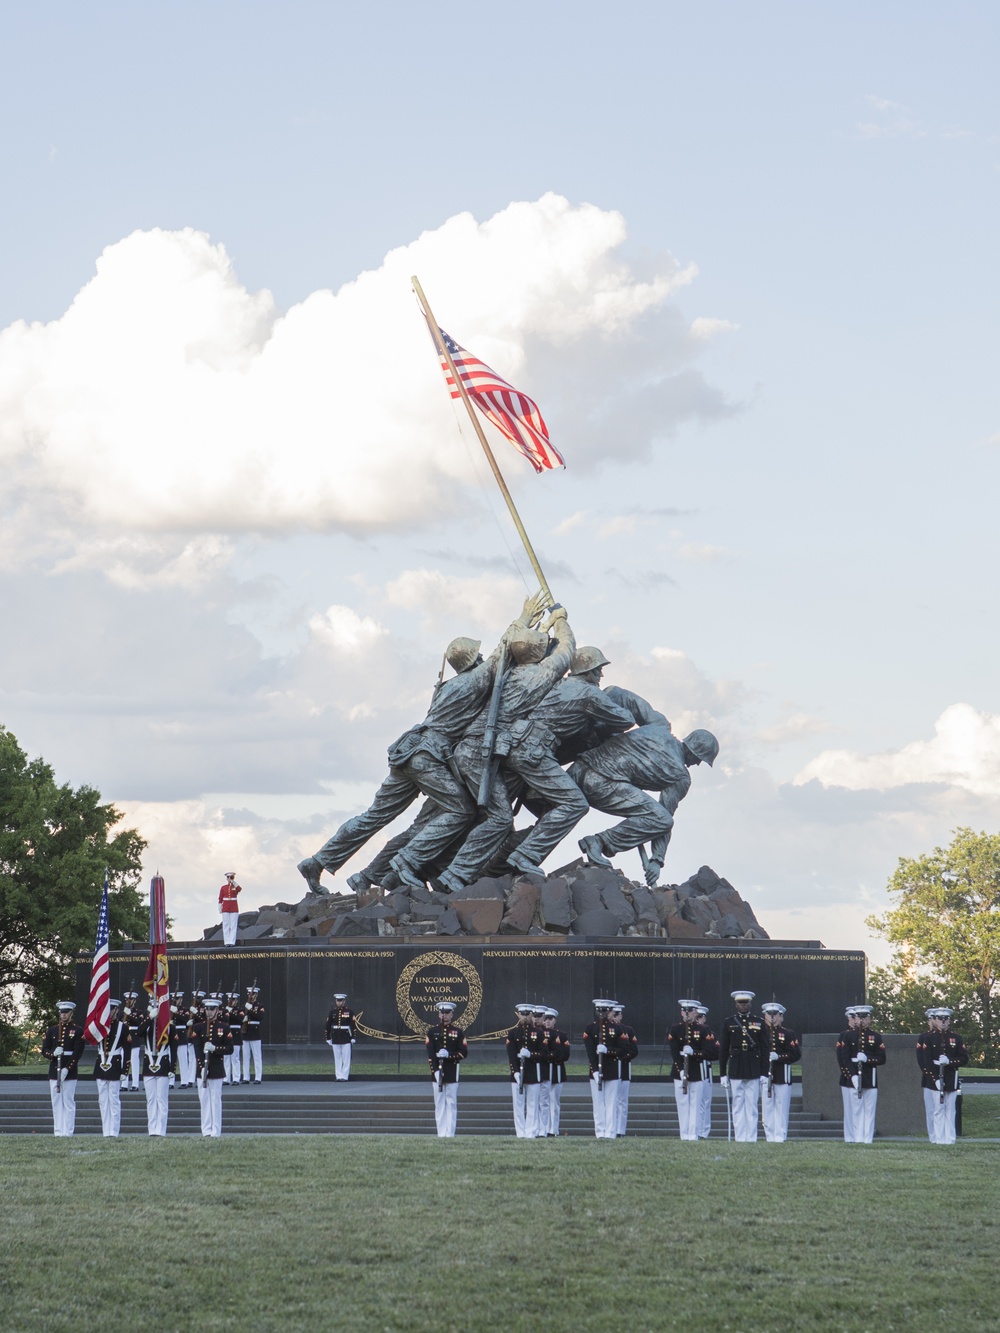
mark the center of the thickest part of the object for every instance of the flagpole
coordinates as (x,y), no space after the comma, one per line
(494,465)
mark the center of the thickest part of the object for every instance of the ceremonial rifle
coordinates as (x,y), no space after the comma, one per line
(60,1033)
(601,1041)
(443,1046)
(770,1062)
(941,1069)
(684,1067)
(520,1062)
(205,1056)
(861,1047)
(245,1025)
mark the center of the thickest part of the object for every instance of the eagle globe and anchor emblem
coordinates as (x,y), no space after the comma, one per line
(432,977)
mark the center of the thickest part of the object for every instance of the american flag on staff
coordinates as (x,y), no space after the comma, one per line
(157,980)
(513,413)
(98,1020)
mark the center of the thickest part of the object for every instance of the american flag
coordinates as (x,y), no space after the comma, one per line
(99,1008)
(513,413)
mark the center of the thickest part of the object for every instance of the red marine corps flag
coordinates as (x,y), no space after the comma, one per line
(157,980)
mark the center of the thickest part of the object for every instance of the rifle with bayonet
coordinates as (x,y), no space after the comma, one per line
(245,1025)
(520,1059)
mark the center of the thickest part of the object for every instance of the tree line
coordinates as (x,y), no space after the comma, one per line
(55,844)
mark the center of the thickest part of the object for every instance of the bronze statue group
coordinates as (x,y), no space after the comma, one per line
(217,1040)
(528,727)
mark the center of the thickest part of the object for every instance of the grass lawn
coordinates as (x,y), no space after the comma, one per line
(981,1116)
(488,1233)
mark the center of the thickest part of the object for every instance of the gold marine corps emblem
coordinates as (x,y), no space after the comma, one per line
(432,977)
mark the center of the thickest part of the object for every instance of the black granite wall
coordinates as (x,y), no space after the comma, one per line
(394,985)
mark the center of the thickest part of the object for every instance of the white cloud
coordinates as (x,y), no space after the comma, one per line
(143,562)
(485,601)
(621,525)
(170,400)
(574,521)
(703,552)
(964,752)
(343,630)
(793,728)
(704,328)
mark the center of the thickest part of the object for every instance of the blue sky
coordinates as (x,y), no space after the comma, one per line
(782,474)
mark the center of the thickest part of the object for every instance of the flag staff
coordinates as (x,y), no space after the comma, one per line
(494,465)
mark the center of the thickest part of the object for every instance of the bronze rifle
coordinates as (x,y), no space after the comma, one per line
(491,762)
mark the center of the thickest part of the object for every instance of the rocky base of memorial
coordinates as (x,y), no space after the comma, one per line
(579,899)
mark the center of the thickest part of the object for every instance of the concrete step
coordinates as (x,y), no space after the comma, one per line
(255,1111)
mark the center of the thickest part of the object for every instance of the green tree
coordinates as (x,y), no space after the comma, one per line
(946,928)
(54,846)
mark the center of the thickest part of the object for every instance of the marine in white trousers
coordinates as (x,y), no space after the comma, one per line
(446,1109)
(859,1114)
(705,1106)
(230,920)
(211,1107)
(774,1110)
(940,1116)
(744,1093)
(187,1065)
(134,1079)
(544,1108)
(555,1108)
(605,1101)
(342,1060)
(252,1048)
(688,1108)
(109,1099)
(621,1107)
(231,1064)
(157,1091)
(525,1105)
(63,1094)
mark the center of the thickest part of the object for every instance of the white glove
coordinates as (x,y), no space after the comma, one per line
(329,1042)
(856,1080)
(209,1047)
(352,1041)
(687,1050)
(724,1080)
(64,1073)
(773,1056)
(124,1080)
(860,1058)
(602,1049)
(763,1080)
(443,1053)
(525,1054)
(57,1052)
(942,1060)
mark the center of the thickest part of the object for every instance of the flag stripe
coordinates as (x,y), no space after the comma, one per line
(513,413)
(98,1020)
